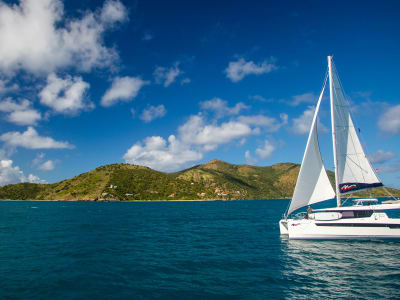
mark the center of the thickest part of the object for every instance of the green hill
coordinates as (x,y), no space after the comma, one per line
(243,181)
(213,180)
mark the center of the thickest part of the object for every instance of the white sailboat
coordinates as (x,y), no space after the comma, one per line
(366,218)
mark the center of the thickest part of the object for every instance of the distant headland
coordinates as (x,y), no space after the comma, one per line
(215,180)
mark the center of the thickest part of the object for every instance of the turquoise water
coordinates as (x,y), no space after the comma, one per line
(160,250)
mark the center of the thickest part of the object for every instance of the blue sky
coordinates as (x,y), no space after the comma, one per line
(172,84)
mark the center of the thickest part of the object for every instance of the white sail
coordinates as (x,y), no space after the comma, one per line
(354,172)
(312,184)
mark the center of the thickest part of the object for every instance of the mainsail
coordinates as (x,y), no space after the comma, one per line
(354,172)
(312,184)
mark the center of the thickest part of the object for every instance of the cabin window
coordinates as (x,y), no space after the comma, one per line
(347,214)
(362,213)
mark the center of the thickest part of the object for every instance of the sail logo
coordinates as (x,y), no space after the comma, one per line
(348,187)
(354,186)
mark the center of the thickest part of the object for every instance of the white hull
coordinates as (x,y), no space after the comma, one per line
(376,226)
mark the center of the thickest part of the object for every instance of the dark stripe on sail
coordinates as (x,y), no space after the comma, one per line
(351,187)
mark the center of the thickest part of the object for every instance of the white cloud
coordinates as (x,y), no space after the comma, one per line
(35,179)
(221,108)
(195,137)
(390,120)
(2,154)
(65,96)
(8,105)
(153,112)
(122,89)
(10,174)
(393,167)
(196,132)
(35,36)
(31,140)
(43,165)
(368,107)
(198,135)
(156,153)
(24,117)
(265,151)
(284,117)
(237,70)
(270,124)
(249,159)
(20,113)
(38,159)
(167,76)
(302,124)
(113,11)
(381,156)
(48,165)
(5,86)
(303,98)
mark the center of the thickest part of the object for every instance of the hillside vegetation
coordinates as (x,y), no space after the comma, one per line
(213,180)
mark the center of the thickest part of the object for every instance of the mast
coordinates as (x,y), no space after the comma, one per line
(333,131)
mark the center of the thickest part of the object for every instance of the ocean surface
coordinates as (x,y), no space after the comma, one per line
(181,250)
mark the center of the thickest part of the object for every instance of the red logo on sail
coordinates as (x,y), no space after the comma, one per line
(348,187)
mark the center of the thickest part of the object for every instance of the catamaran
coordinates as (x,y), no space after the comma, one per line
(365,218)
